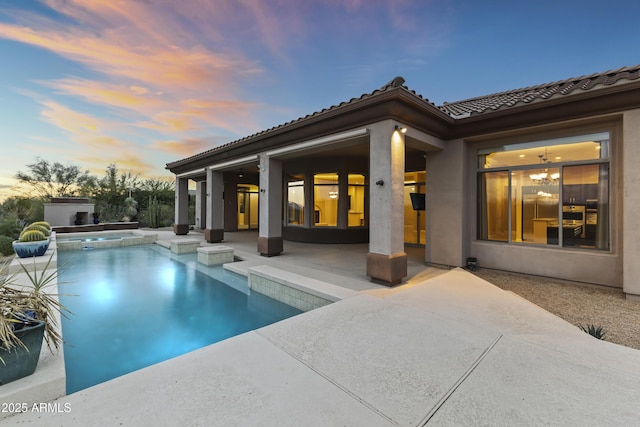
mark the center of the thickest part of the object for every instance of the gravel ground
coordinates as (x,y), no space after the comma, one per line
(581,305)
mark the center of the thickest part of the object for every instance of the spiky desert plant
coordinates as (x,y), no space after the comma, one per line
(154,212)
(11,302)
(130,209)
(46,231)
(45,224)
(32,236)
(597,332)
(45,305)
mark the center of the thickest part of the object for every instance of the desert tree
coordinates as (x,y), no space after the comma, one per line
(46,180)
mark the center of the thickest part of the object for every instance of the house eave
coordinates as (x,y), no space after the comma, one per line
(602,101)
(397,104)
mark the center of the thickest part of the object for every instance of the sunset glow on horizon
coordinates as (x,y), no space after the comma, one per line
(142,83)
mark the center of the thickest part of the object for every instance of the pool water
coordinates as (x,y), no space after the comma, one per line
(137,306)
(91,239)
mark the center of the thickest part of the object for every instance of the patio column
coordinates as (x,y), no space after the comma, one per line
(214,231)
(181,220)
(201,204)
(386,260)
(270,210)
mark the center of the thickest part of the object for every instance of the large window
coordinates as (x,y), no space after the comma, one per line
(356,192)
(552,192)
(325,199)
(295,199)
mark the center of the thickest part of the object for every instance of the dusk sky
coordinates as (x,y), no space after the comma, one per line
(141,83)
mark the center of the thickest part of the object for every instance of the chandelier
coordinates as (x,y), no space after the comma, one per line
(543,178)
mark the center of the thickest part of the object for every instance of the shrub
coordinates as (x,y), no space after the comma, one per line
(594,331)
(10,226)
(32,236)
(6,247)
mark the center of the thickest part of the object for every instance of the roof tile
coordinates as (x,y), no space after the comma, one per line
(501,100)
(464,108)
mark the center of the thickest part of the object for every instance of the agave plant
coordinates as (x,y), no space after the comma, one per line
(597,332)
(11,301)
(44,305)
(26,303)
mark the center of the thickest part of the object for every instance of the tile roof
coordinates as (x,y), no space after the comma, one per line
(511,98)
(459,109)
(397,82)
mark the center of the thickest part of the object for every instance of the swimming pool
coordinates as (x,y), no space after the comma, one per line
(141,305)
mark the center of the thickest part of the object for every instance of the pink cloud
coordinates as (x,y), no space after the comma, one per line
(149,62)
(73,122)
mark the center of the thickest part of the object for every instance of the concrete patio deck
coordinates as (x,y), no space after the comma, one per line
(446,349)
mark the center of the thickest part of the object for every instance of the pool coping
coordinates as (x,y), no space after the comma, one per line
(451,350)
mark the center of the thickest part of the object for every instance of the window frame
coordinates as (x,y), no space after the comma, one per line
(575,137)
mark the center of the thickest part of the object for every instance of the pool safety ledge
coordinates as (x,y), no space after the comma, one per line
(115,239)
(184,246)
(298,291)
(215,255)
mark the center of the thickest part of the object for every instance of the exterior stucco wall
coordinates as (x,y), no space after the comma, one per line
(586,266)
(582,265)
(63,214)
(631,202)
(446,230)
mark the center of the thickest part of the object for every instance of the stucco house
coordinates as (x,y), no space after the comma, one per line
(542,180)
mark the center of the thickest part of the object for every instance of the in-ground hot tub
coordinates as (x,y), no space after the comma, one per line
(104,239)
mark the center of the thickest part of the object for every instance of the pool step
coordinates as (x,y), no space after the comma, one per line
(184,246)
(301,292)
(215,255)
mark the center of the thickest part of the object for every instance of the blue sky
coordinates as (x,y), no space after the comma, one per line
(141,83)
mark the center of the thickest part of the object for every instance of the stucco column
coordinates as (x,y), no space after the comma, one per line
(214,231)
(201,204)
(270,217)
(386,260)
(181,220)
(630,205)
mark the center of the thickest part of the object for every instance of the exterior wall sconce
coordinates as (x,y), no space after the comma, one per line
(400,129)
(262,190)
(260,167)
(380,182)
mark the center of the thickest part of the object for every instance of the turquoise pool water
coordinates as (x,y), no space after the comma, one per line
(137,306)
(93,238)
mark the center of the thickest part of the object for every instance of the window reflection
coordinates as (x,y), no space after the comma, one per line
(540,195)
(295,199)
